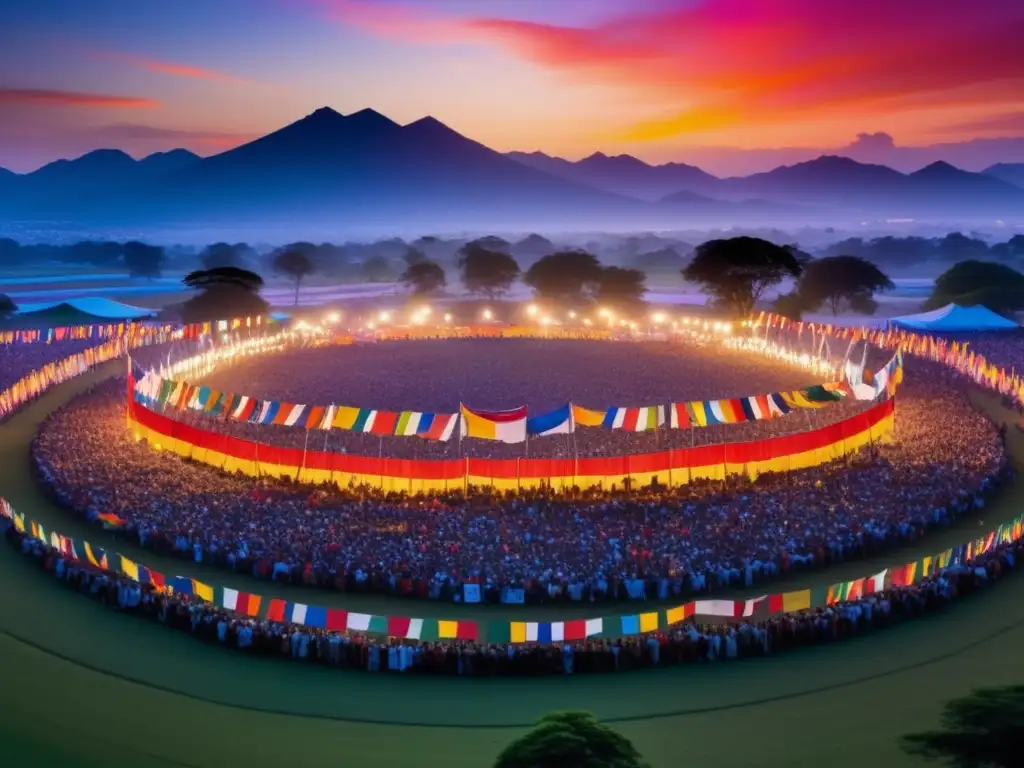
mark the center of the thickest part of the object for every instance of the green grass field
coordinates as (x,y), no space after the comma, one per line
(85,686)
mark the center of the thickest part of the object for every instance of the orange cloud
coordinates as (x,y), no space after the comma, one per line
(168,68)
(72,99)
(720,63)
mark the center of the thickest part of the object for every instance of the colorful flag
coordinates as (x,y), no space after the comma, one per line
(503,426)
(240,602)
(557,422)
(635,419)
(584,417)
(679,416)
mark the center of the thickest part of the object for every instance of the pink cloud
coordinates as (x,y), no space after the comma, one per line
(38,97)
(401,21)
(169,68)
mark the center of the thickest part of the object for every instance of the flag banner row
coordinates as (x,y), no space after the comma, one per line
(571,630)
(672,467)
(132,329)
(507,426)
(956,355)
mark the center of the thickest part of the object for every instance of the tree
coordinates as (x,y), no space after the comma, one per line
(224,255)
(376,269)
(9,250)
(737,271)
(982,730)
(1011,249)
(957,246)
(622,289)
(424,278)
(143,260)
(295,264)
(566,276)
(486,272)
(7,306)
(789,305)
(577,739)
(989,283)
(839,280)
(414,256)
(225,292)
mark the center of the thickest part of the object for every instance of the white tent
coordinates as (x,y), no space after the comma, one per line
(953,318)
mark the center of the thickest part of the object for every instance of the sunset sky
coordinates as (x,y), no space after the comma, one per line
(662,79)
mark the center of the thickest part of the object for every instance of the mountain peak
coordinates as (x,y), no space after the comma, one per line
(370,118)
(939,167)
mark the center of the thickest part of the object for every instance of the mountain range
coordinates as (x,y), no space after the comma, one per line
(365,170)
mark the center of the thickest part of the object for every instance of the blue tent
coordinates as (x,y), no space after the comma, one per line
(953,318)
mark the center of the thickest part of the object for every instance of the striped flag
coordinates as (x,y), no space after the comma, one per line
(429,426)
(400,626)
(240,602)
(679,416)
(635,419)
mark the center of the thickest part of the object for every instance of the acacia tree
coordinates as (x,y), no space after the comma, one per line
(423,278)
(839,281)
(486,272)
(577,739)
(982,730)
(223,292)
(989,283)
(295,264)
(566,276)
(736,271)
(622,288)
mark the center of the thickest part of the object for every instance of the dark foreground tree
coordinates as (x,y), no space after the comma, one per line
(224,292)
(842,282)
(143,260)
(423,278)
(7,306)
(738,270)
(567,276)
(982,730)
(988,283)
(296,265)
(486,271)
(577,739)
(622,289)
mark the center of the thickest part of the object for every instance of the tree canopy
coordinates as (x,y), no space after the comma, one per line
(988,283)
(7,306)
(840,281)
(737,271)
(423,278)
(225,292)
(566,276)
(982,730)
(296,264)
(143,260)
(486,271)
(622,289)
(377,269)
(577,739)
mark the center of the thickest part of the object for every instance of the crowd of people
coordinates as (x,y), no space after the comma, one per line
(18,360)
(687,643)
(580,544)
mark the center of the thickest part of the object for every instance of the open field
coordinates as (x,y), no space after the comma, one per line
(92,687)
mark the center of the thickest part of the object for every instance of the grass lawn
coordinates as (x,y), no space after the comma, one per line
(84,686)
